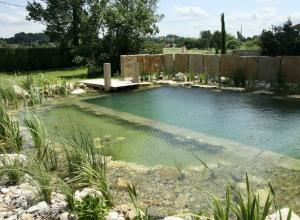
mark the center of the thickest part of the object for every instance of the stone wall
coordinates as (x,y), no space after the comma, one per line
(255,67)
(248,66)
(211,64)
(181,63)
(290,68)
(268,69)
(229,65)
(196,63)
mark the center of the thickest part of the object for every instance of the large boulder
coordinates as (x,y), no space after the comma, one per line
(78,92)
(180,77)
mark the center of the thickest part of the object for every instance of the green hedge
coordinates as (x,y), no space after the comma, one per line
(22,59)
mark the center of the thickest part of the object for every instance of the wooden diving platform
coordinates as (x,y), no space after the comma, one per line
(115,83)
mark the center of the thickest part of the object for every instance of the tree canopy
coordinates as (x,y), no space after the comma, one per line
(97,29)
(281,40)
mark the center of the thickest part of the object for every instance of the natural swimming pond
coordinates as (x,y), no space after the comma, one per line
(263,122)
(169,126)
(173,114)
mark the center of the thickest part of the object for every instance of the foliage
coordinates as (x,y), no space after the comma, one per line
(223,39)
(98,31)
(23,59)
(28,39)
(91,207)
(281,40)
(9,131)
(239,78)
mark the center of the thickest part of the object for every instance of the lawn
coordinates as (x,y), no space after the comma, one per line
(68,74)
(196,51)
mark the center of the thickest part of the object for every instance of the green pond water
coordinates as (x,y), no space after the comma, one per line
(261,122)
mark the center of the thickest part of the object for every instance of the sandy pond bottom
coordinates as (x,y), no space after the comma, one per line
(159,159)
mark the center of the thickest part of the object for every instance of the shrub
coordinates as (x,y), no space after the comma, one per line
(239,78)
(91,207)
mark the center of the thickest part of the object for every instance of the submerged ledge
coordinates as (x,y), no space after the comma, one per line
(234,151)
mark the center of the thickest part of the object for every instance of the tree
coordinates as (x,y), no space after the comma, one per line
(240,37)
(61,18)
(216,41)
(223,41)
(281,40)
(129,23)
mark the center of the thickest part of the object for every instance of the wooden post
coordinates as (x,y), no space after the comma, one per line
(136,72)
(107,76)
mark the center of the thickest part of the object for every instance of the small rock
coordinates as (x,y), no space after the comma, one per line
(173,218)
(112,215)
(78,92)
(122,184)
(79,195)
(284,213)
(180,77)
(5,190)
(26,217)
(64,216)
(12,217)
(81,86)
(41,207)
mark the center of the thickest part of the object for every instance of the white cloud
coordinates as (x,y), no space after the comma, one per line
(191,11)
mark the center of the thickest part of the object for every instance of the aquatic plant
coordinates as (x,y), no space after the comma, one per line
(91,207)
(7,93)
(140,215)
(9,131)
(11,168)
(37,132)
(69,193)
(88,175)
(80,149)
(43,179)
(35,96)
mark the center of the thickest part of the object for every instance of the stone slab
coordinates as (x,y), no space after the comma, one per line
(211,64)
(169,63)
(228,65)
(181,63)
(268,69)
(196,63)
(290,68)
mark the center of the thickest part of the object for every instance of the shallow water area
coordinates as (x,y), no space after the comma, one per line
(160,157)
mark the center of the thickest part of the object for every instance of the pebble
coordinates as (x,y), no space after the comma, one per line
(41,207)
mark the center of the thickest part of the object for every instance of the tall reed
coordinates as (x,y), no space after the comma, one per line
(9,131)
(7,93)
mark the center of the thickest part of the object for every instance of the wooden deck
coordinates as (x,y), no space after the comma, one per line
(115,83)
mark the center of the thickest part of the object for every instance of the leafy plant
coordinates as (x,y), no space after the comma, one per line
(239,78)
(91,207)
(35,96)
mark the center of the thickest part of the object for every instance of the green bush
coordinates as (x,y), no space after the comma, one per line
(91,207)
(22,59)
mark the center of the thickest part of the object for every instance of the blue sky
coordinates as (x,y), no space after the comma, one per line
(185,17)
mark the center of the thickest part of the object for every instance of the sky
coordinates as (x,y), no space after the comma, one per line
(185,17)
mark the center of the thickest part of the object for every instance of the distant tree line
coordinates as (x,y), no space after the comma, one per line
(27,39)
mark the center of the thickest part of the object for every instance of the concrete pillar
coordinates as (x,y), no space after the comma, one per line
(183,49)
(107,76)
(136,72)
